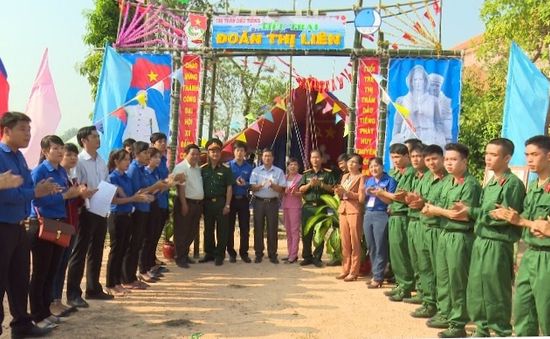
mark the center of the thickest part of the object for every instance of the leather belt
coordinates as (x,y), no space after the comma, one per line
(126,214)
(540,248)
(266,199)
(214,199)
(193,201)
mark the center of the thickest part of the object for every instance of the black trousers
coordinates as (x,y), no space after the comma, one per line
(119,236)
(45,260)
(215,228)
(131,256)
(266,215)
(239,208)
(186,227)
(88,251)
(157,220)
(14,274)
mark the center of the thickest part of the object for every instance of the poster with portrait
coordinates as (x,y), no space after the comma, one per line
(427,91)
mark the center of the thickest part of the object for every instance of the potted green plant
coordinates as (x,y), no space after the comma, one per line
(325,224)
(168,248)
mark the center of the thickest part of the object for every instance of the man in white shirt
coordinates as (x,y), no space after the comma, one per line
(91,169)
(141,120)
(188,204)
(267,182)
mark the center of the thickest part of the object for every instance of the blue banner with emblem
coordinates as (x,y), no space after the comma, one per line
(425,95)
(257,32)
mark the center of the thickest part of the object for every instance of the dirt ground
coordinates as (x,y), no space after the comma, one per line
(242,300)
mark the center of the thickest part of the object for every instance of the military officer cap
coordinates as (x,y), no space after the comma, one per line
(213,144)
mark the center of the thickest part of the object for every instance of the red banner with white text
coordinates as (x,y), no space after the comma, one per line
(366,140)
(189,103)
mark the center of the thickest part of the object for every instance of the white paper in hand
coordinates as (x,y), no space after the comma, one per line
(100,202)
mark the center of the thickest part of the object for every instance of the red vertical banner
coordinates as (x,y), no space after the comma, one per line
(189,103)
(366,132)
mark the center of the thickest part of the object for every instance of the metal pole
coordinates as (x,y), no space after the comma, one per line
(353,105)
(212,99)
(204,77)
(175,108)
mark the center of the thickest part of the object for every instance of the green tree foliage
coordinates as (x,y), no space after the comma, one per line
(102,23)
(527,22)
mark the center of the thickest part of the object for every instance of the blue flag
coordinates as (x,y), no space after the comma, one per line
(133,98)
(114,83)
(526,102)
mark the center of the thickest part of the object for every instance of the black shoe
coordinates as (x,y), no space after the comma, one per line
(284,259)
(232,259)
(162,269)
(182,263)
(274,260)
(206,259)
(335,262)
(32,331)
(246,259)
(318,263)
(218,261)
(99,296)
(306,262)
(258,260)
(190,261)
(78,302)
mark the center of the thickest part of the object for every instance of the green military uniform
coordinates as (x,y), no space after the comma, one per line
(413,230)
(312,200)
(431,188)
(397,234)
(215,181)
(532,299)
(489,293)
(455,248)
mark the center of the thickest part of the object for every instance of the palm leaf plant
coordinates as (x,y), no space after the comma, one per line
(325,225)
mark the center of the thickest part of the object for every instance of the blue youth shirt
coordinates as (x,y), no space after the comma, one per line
(244,171)
(373,203)
(163,172)
(50,206)
(138,177)
(15,203)
(123,181)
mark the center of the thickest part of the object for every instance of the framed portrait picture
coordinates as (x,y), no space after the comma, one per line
(522,172)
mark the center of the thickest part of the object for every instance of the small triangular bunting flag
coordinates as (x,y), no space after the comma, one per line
(250,116)
(404,111)
(327,108)
(320,97)
(338,118)
(346,130)
(385,97)
(378,78)
(268,116)
(242,137)
(281,104)
(336,108)
(203,143)
(255,127)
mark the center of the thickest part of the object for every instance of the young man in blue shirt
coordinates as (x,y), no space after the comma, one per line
(240,203)
(14,209)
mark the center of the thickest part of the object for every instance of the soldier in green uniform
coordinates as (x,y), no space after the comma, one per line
(429,228)
(414,231)
(314,183)
(489,293)
(532,298)
(455,243)
(217,179)
(400,259)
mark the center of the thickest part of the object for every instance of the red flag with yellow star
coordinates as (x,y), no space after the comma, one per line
(145,74)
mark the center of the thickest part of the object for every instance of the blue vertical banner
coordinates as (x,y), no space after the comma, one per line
(525,103)
(425,95)
(133,99)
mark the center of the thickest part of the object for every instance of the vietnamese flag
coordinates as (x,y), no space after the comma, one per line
(145,74)
(4,89)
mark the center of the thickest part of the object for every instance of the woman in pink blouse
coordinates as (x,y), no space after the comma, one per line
(292,209)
